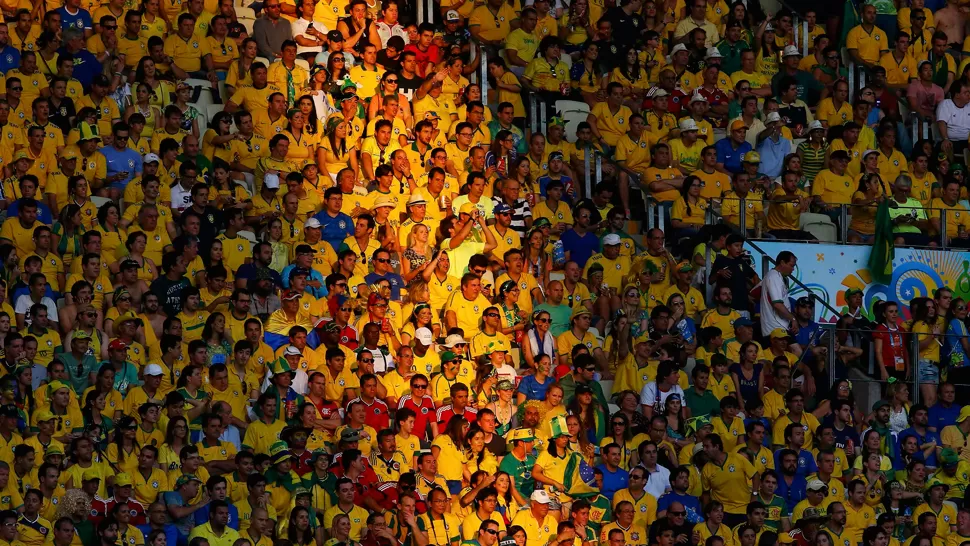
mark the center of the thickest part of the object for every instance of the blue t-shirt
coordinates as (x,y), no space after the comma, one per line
(793,494)
(580,248)
(806,462)
(334,229)
(202,516)
(313,276)
(397,282)
(920,440)
(729,155)
(9,59)
(532,389)
(941,416)
(695,514)
(171,533)
(80,20)
(248,272)
(182,525)
(613,481)
(119,161)
(86,65)
(43,211)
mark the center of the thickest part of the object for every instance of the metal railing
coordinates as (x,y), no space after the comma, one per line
(537,114)
(837,216)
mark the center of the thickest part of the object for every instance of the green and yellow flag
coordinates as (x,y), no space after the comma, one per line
(883,250)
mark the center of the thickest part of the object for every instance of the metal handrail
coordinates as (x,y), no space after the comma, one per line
(483,73)
(800,284)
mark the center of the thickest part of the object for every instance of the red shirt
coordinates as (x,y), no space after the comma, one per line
(386,495)
(894,354)
(424,58)
(445,413)
(423,408)
(377,416)
(101,508)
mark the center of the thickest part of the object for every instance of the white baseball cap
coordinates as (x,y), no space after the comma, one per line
(424,336)
(454,339)
(773,117)
(791,51)
(697,97)
(292,351)
(687,124)
(713,53)
(657,92)
(867,152)
(271,181)
(540,496)
(611,239)
(151,158)
(153,369)
(312,223)
(815,125)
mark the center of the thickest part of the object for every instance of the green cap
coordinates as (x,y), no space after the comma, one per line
(186,478)
(448,356)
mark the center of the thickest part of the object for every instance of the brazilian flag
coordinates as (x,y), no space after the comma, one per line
(883,250)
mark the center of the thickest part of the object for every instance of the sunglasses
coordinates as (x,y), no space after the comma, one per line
(346,309)
(491,315)
(543,320)
(382,260)
(492,532)
(424,386)
(367,360)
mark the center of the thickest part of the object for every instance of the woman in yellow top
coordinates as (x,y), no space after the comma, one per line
(152,21)
(335,153)
(873,445)
(929,336)
(66,234)
(552,407)
(690,209)
(176,437)
(866,198)
(161,91)
(476,456)
(767,52)
(218,137)
(447,450)
(473,92)
(455,82)
(136,243)
(509,498)
(77,194)
(122,304)
(238,75)
(389,86)
(549,470)
(302,144)
(620,432)
(123,452)
(575,26)
(632,77)
(587,76)
(112,236)
(143,106)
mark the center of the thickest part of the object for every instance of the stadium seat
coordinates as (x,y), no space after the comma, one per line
(211,110)
(573,113)
(607,385)
(99,201)
(821,226)
(263,60)
(245,13)
(303,63)
(248,23)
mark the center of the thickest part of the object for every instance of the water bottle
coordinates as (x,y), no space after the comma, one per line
(558,255)
(684,332)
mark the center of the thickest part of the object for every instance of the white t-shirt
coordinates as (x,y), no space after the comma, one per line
(24,304)
(385,31)
(649,396)
(299,27)
(957,119)
(773,290)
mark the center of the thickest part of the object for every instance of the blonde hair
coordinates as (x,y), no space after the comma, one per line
(71,502)
(412,235)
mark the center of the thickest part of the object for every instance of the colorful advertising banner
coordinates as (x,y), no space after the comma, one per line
(829,270)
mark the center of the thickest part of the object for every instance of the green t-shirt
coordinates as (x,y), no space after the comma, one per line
(560,315)
(521,472)
(776,510)
(702,404)
(910,207)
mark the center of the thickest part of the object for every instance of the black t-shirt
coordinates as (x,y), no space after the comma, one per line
(170,293)
(626,28)
(738,283)
(407,86)
(61,115)
(391,65)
